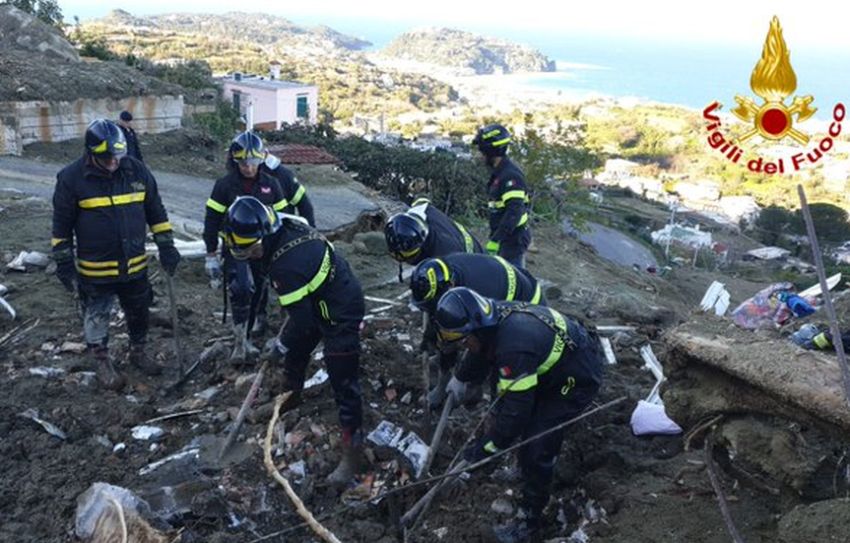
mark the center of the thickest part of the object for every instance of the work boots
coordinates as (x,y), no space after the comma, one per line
(140,360)
(351,461)
(243,348)
(524,527)
(107,376)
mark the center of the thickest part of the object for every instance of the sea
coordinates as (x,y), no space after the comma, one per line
(691,75)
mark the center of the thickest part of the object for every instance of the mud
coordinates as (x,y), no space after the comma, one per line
(610,486)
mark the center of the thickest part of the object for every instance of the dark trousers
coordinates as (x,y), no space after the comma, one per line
(337,323)
(514,247)
(555,405)
(247,285)
(135,298)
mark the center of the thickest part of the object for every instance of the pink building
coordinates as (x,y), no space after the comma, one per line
(272,101)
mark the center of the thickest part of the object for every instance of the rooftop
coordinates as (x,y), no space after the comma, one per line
(264,83)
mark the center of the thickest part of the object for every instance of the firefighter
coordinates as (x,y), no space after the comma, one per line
(246,281)
(103,204)
(297,201)
(423,231)
(507,196)
(490,276)
(125,121)
(549,369)
(325,303)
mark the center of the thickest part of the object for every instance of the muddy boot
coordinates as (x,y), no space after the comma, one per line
(140,360)
(437,395)
(261,324)
(243,349)
(351,461)
(521,529)
(107,376)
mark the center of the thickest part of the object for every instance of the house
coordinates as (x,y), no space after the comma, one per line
(270,101)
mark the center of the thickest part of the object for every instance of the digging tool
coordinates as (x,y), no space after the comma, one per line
(208,353)
(243,411)
(178,351)
(419,507)
(448,405)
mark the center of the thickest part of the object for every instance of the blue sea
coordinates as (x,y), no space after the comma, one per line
(692,75)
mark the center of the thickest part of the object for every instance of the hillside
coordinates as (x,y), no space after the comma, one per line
(467,52)
(349,85)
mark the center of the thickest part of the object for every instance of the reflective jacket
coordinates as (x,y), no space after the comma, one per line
(293,191)
(490,276)
(507,200)
(539,354)
(304,269)
(108,215)
(265,188)
(445,236)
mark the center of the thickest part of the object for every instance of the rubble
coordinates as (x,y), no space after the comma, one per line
(49,427)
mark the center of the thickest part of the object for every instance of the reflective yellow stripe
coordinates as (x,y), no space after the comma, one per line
(119,199)
(312,286)
(518,385)
(491,447)
(56,241)
(98,265)
(323,309)
(138,268)
(280,205)
(537,295)
(298,195)
(432,279)
(420,201)
(100,148)
(102,273)
(239,240)
(503,141)
(557,344)
(161,227)
(215,206)
(468,244)
(492,204)
(522,220)
(137,259)
(821,341)
(511,272)
(513,194)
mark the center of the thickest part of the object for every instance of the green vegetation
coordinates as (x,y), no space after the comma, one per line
(48,11)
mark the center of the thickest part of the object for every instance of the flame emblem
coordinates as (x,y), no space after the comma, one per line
(774,80)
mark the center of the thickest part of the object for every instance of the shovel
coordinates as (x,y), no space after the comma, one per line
(169,281)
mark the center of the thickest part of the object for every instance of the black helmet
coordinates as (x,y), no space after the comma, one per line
(492,140)
(429,281)
(247,221)
(248,148)
(104,139)
(405,235)
(462,311)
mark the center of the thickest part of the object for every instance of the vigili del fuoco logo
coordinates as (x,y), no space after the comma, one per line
(774,81)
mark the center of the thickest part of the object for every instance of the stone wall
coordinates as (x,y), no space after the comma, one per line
(22,123)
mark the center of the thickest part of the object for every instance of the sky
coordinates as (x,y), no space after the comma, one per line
(814,24)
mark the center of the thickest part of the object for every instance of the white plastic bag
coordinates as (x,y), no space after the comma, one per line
(649,418)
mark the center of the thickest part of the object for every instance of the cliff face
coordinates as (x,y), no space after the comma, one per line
(467,52)
(20,31)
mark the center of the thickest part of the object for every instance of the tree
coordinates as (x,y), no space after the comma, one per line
(47,11)
(830,222)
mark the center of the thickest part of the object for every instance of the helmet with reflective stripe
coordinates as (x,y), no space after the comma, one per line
(492,140)
(405,236)
(248,148)
(247,221)
(104,139)
(462,311)
(429,281)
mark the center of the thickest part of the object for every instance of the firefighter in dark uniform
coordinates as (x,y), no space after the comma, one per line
(490,276)
(103,205)
(325,303)
(507,196)
(423,231)
(549,369)
(133,148)
(246,281)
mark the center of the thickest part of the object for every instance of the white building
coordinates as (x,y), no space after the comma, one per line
(273,102)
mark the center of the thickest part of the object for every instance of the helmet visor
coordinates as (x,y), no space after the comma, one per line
(243,248)
(450,336)
(251,157)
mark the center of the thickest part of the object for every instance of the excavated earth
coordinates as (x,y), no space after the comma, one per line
(781,461)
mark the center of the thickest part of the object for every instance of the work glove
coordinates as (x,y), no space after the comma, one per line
(169,257)
(213,269)
(457,390)
(492,247)
(277,352)
(67,273)
(479,449)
